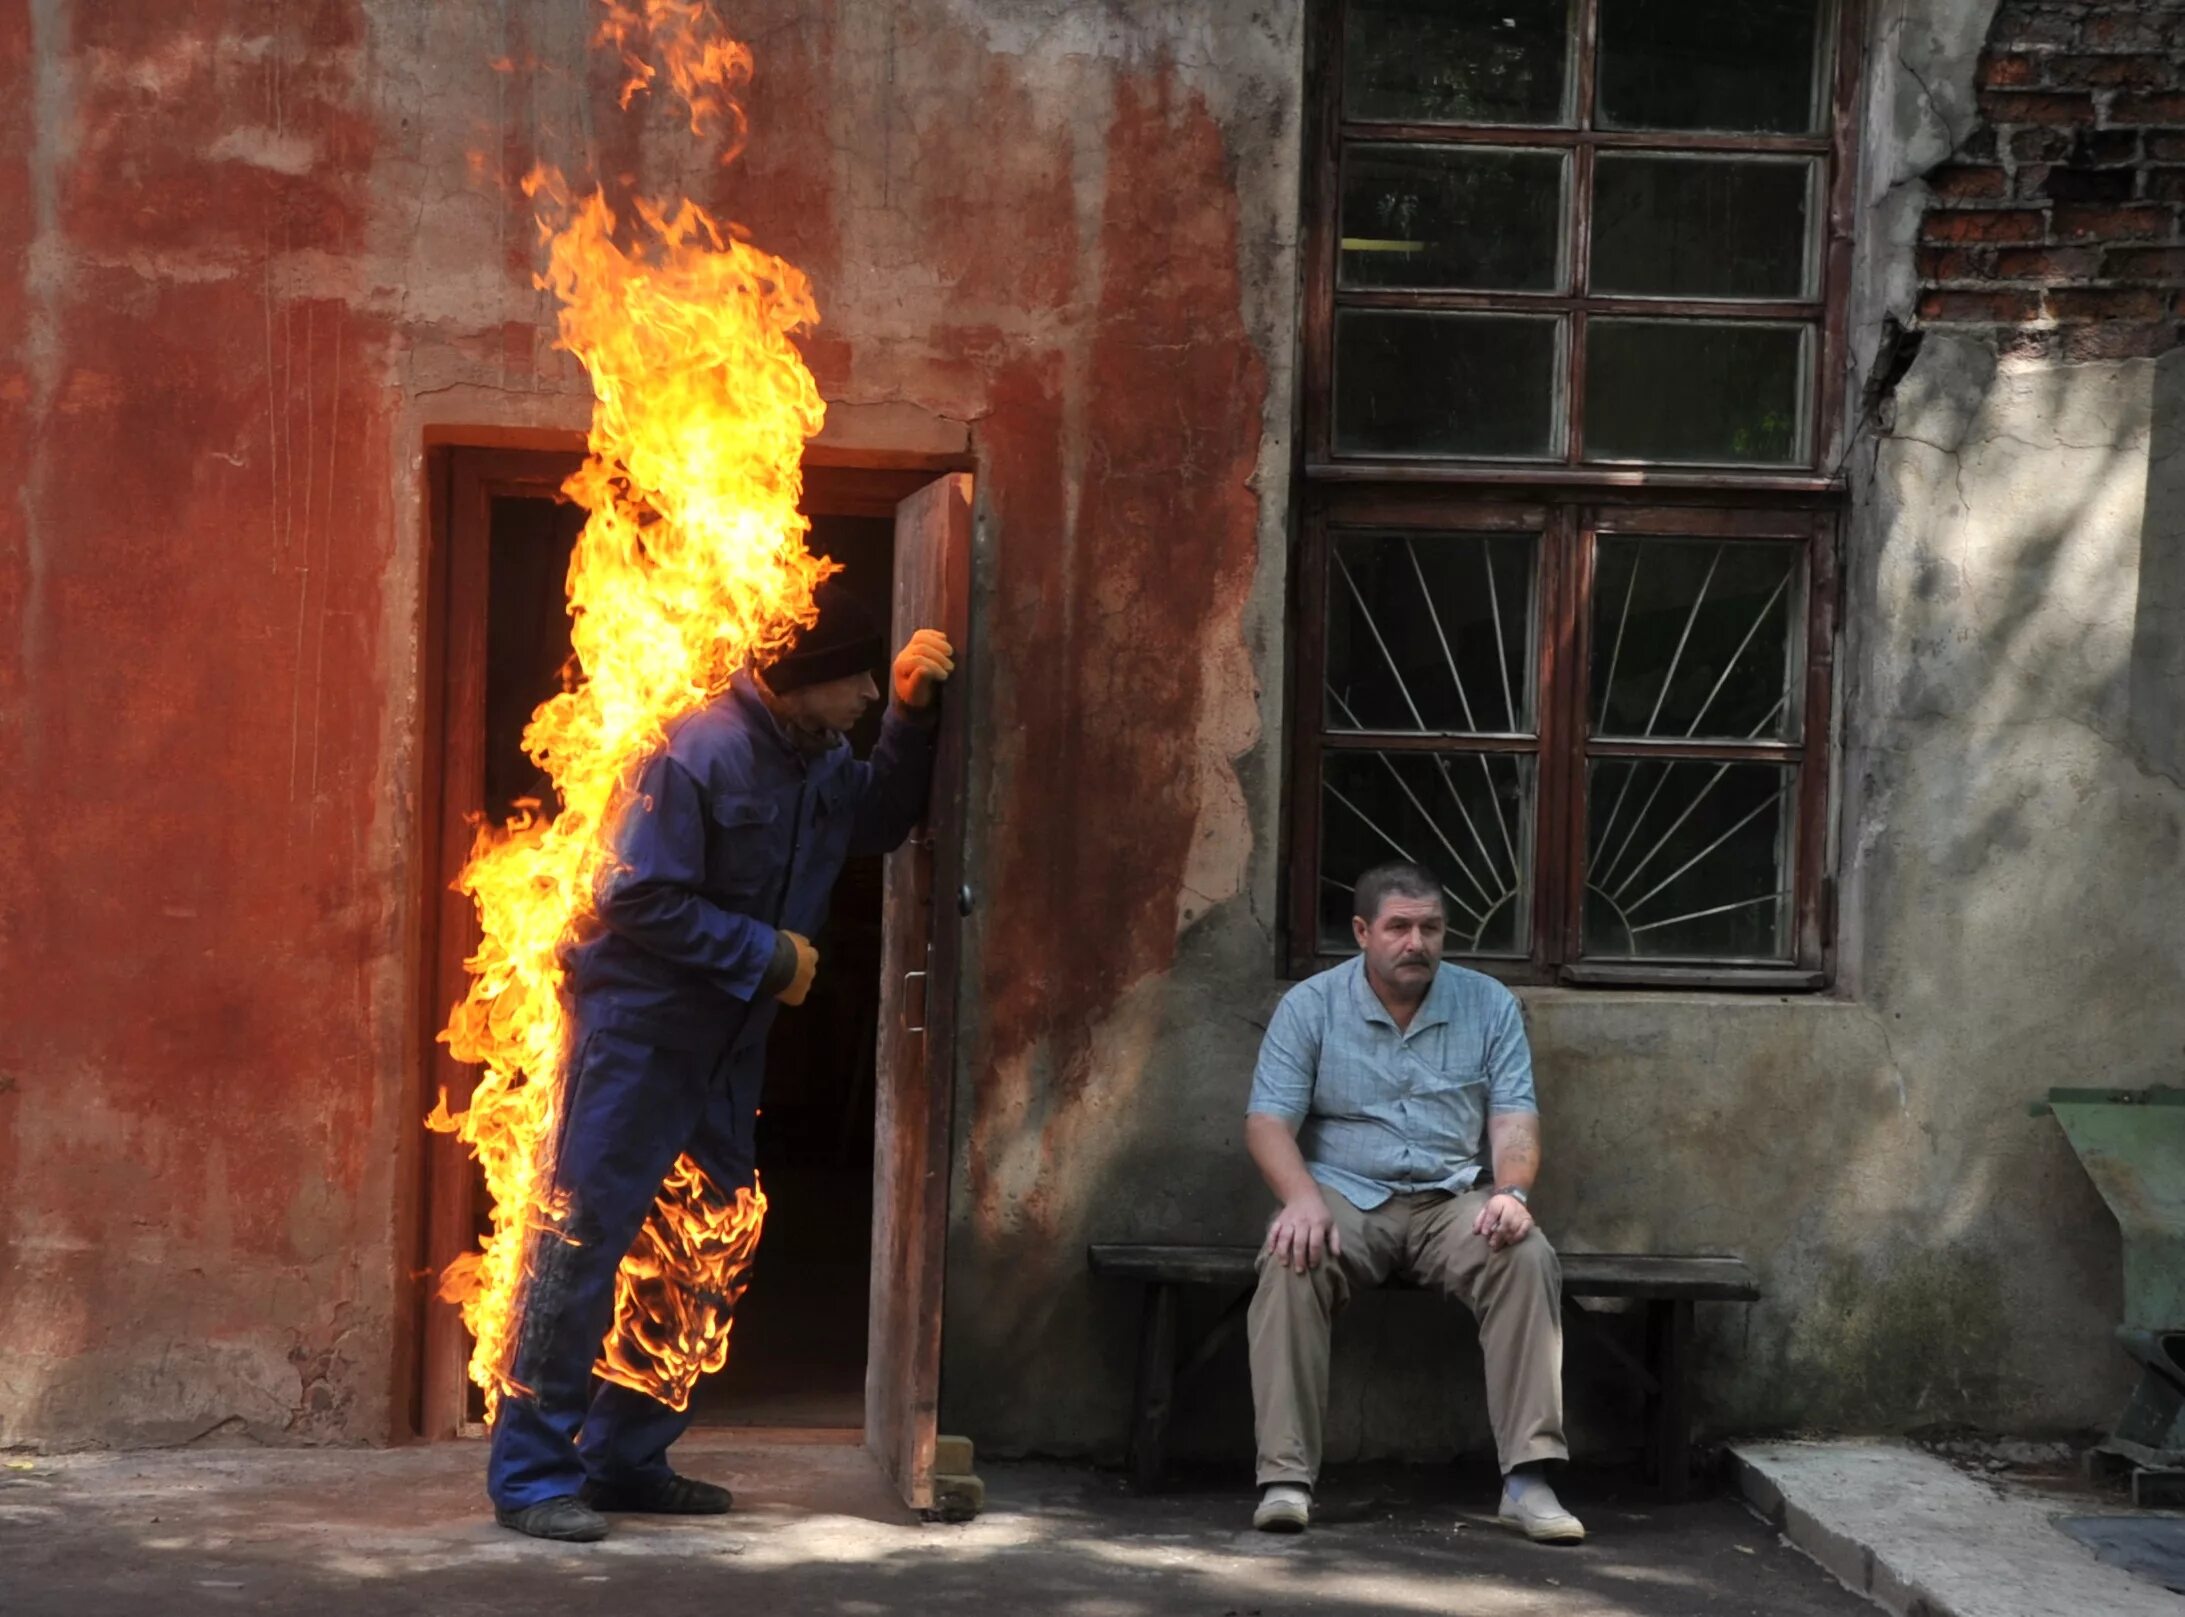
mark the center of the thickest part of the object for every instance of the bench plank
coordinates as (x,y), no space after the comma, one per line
(1668,1284)
(1585,1274)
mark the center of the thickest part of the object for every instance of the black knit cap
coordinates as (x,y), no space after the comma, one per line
(845,641)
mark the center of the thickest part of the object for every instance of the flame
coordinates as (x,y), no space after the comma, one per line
(691,566)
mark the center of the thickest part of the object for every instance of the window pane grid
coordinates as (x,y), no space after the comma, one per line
(1652,817)
(1702,148)
(1689,859)
(1466,816)
(1713,869)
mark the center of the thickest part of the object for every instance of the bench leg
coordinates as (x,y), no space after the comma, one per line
(1669,1423)
(1156,1397)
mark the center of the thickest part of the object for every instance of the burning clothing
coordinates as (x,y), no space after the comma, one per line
(735,836)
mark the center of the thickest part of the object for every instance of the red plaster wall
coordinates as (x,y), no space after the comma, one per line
(196,1225)
(280,243)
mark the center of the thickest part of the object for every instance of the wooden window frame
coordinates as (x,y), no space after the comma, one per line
(1569,503)
(1834,147)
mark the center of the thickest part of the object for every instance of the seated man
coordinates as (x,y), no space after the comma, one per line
(1386,1090)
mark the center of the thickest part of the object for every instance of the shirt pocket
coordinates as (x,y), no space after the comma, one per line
(745,847)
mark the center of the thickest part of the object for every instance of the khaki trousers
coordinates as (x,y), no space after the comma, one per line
(1516,1294)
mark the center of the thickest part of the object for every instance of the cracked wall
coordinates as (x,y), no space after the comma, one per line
(2054,227)
(262,252)
(2010,848)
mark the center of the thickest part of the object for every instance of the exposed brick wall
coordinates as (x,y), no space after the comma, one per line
(2056,223)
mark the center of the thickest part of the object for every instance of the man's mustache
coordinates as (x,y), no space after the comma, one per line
(1415,960)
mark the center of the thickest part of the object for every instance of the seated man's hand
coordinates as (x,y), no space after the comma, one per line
(923,665)
(1504,1221)
(1304,1233)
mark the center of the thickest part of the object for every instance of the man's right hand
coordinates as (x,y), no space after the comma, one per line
(807,969)
(1304,1233)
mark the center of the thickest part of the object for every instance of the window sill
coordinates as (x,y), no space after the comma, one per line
(1732,979)
(1582,980)
(1811,485)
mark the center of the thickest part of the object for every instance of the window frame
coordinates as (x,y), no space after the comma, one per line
(1562,744)
(1833,146)
(1569,503)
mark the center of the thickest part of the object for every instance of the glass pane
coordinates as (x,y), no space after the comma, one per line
(1687,390)
(1702,227)
(1442,216)
(1456,61)
(1740,66)
(1467,817)
(1447,384)
(1688,859)
(1696,639)
(1431,632)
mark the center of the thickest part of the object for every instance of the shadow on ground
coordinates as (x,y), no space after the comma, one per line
(816,1531)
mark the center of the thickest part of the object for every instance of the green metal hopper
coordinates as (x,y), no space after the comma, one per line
(2132,1144)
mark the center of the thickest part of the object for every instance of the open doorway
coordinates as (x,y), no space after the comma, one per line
(857,1051)
(797,1355)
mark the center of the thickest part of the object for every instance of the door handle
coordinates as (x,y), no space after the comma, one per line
(921,976)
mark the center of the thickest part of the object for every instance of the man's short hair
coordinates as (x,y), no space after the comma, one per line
(1398,878)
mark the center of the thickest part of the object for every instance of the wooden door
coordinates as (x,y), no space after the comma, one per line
(923,909)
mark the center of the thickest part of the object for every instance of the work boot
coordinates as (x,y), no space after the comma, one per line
(1529,1505)
(567,1519)
(1285,1507)
(670,1496)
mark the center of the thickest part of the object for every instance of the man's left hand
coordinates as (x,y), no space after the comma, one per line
(922,666)
(1504,1221)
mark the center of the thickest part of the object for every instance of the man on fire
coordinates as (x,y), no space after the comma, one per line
(726,856)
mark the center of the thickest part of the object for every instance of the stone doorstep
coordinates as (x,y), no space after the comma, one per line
(958,1494)
(1921,1539)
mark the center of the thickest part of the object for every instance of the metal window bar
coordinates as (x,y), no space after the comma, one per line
(1502,654)
(1668,678)
(1676,659)
(1417,718)
(1648,807)
(1767,803)
(1402,852)
(1701,915)
(1698,719)
(1433,825)
(1449,656)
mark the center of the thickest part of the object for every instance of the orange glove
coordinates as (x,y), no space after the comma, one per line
(807,969)
(923,664)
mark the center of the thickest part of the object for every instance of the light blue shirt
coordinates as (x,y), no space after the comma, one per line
(1382,1110)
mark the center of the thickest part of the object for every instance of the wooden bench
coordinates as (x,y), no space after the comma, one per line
(1669,1287)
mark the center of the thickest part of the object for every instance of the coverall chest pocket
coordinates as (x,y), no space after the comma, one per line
(833,812)
(747,845)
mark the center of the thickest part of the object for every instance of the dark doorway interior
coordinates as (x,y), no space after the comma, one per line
(527,638)
(798,1357)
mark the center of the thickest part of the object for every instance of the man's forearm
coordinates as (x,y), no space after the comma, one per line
(1515,1141)
(1273,1145)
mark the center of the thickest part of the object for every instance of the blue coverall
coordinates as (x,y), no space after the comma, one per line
(733,834)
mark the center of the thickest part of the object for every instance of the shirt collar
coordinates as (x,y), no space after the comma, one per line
(1434,1011)
(745,692)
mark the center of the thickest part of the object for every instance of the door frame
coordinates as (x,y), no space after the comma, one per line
(462,478)
(463,481)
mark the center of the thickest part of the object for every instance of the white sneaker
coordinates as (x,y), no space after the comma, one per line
(1540,1516)
(1284,1508)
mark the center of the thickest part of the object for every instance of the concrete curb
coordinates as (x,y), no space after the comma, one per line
(1920,1539)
